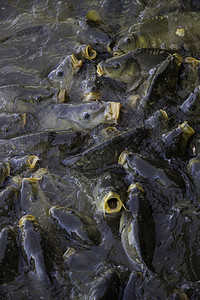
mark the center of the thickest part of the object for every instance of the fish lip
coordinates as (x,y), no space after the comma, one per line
(92,96)
(76,64)
(31,161)
(123,157)
(25,218)
(186,129)
(100,70)
(135,187)
(118,52)
(89,53)
(119,203)
(52,209)
(113,112)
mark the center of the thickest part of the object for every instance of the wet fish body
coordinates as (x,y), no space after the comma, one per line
(98,156)
(9,255)
(85,116)
(172,31)
(31,243)
(76,225)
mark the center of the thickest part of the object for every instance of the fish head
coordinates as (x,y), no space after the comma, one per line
(61,77)
(127,43)
(191,106)
(124,68)
(89,115)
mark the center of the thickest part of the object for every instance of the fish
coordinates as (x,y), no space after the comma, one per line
(193,169)
(31,247)
(11,124)
(136,66)
(178,30)
(158,122)
(191,106)
(106,152)
(8,200)
(105,286)
(33,200)
(26,99)
(4,171)
(77,225)
(144,232)
(62,76)
(177,139)
(19,164)
(41,143)
(9,255)
(151,169)
(109,193)
(84,116)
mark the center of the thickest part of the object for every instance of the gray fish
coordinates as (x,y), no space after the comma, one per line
(77,225)
(84,116)
(9,255)
(62,76)
(31,246)
(25,99)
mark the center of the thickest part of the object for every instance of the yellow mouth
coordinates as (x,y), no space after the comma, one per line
(100,70)
(93,96)
(118,52)
(135,186)
(89,53)
(32,160)
(123,156)
(112,203)
(109,131)
(113,112)
(190,60)
(76,64)
(26,218)
(51,210)
(187,130)
(61,96)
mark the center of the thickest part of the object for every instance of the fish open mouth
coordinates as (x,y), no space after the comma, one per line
(113,112)
(112,203)
(76,64)
(100,70)
(32,160)
(118,52)
(89,53)
(26,218)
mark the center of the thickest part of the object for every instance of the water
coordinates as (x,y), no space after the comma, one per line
(36,36)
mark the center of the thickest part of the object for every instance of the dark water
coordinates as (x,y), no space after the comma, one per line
(35,38)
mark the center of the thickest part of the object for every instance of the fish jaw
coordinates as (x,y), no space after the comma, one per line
(100,70)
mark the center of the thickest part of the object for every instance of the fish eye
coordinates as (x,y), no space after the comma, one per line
(59,73)
(38,98)
(117,66)
(86,115)
(128,40)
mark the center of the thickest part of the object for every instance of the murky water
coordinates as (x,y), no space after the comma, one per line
(64,123)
